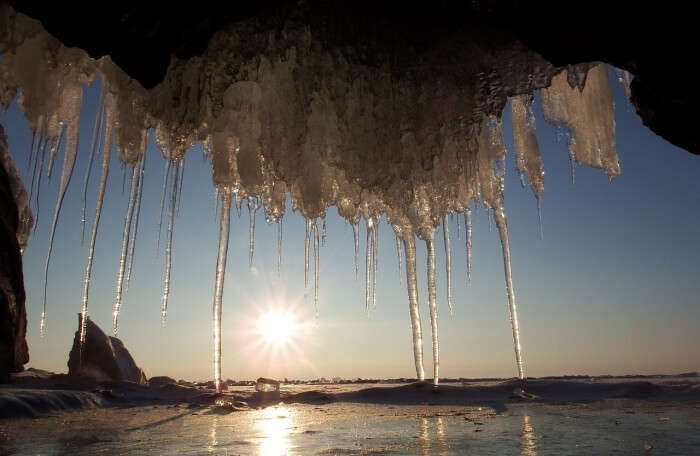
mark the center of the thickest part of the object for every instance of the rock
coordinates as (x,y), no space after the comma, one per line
(31,375)
(14,352)
(161,381)
(264,385)
(104,358)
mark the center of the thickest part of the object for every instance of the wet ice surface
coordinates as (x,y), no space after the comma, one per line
(619,426)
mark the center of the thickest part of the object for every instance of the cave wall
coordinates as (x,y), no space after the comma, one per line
(14,352)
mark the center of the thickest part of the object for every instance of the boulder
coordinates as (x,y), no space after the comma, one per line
(161,380)
(13,315)
(103,357)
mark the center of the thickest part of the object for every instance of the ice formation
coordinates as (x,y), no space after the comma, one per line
(468,240)
(448,260)
(105,114)
(125,246)
(281,114)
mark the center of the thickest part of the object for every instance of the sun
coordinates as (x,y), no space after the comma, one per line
(276,327)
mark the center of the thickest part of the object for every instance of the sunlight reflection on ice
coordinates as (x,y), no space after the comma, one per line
(212,434)
(529,440)
(275,425)
(424,435)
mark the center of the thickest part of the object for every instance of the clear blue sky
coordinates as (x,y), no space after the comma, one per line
(612,289)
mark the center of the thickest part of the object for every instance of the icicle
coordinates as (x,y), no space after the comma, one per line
(588,115)
(488,215)
(356,239)
(32,157)
(180,185)
(432,304)
(252,209)
(572,162)
(368,266)
(106,156)
(448,261)
(306,255)
(323,235)
(166,176)
(96,131)
(317,254)
(468,237)
(239,202)
(53,149)
(527,152)
(539,217)
(169,244)
(135,231)
(75,96)
(36,173)
(459,229)
(123,177)
(501,224)
(279,247)
(398,255)
(375,264)
(216,201)
(409,244)
(42,158)
(224,225)
(125,244)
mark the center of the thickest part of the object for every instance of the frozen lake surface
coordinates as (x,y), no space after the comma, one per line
(376,422)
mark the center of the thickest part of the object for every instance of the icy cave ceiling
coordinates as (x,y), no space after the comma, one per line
(651,40)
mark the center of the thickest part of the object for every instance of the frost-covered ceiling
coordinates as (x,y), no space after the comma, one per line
(654,41)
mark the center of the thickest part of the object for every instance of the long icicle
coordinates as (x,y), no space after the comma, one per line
(216,201)
(356,241)
(252,209)
(66,173)
(375,264)
(539,217)
(38,179)
(317,254)
(96,131)
(398,255)
(306,256)
(459,229)
(432,304)
(38,165)
(499,216)
(123,177)
(30,159)
(468,238)
(137,217)
(106,157)
(181,184)
(368,265)
(134,184)
(54,148)
(166,176)
(279,247)
(448,261)
(169,245)
(409,244)
(224,225)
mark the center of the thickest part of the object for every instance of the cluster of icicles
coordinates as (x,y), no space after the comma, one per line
(586,113)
